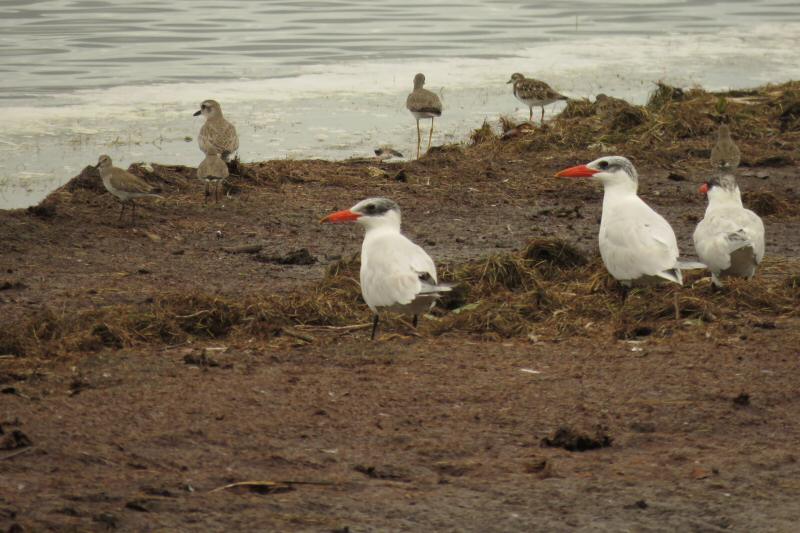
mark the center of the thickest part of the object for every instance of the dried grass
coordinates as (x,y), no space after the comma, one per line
(549,289)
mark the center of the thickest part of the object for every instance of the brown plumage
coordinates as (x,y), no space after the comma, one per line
(123,185)
(217,135)
(534,93)
(725,154)
(423,103)
(214,171)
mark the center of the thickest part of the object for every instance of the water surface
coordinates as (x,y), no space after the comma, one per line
(329,78)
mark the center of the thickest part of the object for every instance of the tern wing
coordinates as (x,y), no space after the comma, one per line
(723,232)
(394,271)
(636,241)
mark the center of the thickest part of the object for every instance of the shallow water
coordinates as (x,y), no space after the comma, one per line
(329,78)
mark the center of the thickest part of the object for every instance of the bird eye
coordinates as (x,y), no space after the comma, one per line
(603,164)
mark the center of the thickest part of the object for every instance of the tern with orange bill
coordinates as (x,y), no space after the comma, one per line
(730,238)
(638,246)
(396,274)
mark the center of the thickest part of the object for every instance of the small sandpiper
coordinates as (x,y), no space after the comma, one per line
(534,93)
(383,153)
(217,134)
(214,171)
(423,104)
(123,185)
(725,155)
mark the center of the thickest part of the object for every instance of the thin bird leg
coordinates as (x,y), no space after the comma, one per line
(414,322)
(133,213)
(625,291)
(677,307)
(374,327)
(207,193)
(430,136)
(218,192)
(121,211)
(541,121)
(419,139)
(530,114)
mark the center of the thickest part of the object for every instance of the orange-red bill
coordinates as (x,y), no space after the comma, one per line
(579,171)
(340,216)
(703,189)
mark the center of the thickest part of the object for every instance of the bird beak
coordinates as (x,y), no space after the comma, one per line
(340,216)
(198,113)
(510,81)
(703,189)
(580,171)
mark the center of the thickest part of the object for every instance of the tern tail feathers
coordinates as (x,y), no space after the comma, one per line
(691,265)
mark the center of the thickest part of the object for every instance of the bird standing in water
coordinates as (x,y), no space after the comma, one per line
(423,104)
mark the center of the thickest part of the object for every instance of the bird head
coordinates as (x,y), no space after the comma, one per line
(516,77)
(720,188)
(370,213)
(610,170)
(209,109)
(103,162)
(419,81)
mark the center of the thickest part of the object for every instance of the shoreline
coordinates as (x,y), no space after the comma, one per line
(230,340)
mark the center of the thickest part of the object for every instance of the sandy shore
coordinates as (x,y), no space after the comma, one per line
(143,366)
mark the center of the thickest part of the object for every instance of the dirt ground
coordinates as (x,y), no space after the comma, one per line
(572,419)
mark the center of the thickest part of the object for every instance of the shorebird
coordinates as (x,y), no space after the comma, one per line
(534,93)
(423,104)
(217,134)
(725,155)
(637,245)
(396,274)
(383,153)
(214,171)
(730,238)
(123,185)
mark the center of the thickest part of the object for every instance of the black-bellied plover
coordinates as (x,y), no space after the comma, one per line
(123,185)
(217,134)
(214,171)
(534,93)
(423,104)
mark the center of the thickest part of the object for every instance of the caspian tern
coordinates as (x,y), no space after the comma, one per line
(730,238)
(396,274)
(637,245)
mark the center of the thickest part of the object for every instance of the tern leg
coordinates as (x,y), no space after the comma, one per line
(414,322)
(430,136)
(530,113)
(374,326)
(419,139)
(541,121)
(677,306)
